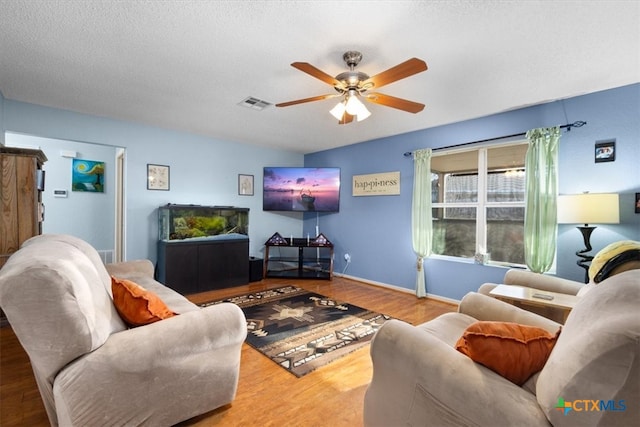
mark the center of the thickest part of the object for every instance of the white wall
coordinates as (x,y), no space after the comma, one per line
(1,119)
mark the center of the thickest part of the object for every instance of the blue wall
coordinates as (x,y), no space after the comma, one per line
(93,214)
(376,230)
(203,171)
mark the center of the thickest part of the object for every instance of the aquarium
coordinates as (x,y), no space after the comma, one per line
(181,222)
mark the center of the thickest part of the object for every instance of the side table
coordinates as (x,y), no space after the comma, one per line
(523,296)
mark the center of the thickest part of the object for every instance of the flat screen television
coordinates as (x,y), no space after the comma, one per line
(300,189)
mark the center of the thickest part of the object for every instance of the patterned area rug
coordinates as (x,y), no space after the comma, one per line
(301,330)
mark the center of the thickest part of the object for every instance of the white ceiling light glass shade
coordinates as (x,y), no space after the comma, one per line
(363,114)
(338,110)
(354,105)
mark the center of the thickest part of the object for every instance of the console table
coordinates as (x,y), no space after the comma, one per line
(302,258)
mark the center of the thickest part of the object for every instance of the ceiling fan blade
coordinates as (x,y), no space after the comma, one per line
(302,101)
(400,71)
(317,73)
(346,118)
(393,102)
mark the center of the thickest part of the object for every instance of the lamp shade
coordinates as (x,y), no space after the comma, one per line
(589,208)
(363,114)
(355,107)
(338,110)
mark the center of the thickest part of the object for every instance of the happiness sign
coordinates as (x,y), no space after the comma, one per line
(377,184)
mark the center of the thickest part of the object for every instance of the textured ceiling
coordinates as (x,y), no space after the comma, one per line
(186,65)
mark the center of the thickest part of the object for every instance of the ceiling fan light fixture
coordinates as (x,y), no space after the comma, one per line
(351,106)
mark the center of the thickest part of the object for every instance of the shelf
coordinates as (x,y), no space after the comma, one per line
(295,260)
(301,258)
(297,275)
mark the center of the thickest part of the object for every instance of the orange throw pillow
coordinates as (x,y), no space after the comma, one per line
(136,305)
(512,350)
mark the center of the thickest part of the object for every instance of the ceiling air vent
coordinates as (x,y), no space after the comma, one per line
(255,103)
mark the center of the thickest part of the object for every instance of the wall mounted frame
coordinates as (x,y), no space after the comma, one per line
(605,151)
(158,177)
(245,185)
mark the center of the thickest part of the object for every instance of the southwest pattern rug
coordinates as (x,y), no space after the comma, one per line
(302,330)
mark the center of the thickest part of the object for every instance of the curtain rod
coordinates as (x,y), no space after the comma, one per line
(568,127)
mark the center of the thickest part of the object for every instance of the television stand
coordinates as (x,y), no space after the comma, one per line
(298,258)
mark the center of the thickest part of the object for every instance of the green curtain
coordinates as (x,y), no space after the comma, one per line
(540,219)
(421,228)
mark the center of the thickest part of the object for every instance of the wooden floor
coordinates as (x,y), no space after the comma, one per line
(267,394)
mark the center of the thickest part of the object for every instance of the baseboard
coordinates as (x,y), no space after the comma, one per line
(397,288)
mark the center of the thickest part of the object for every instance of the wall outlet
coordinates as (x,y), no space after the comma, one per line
(347,258)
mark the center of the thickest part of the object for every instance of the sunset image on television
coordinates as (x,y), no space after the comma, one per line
(301,189)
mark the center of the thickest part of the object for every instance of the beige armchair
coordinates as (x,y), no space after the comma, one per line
(91,369)
(419,378)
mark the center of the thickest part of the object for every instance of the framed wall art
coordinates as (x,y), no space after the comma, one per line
(245,185)
(157,177)
(87,175)
(605,151)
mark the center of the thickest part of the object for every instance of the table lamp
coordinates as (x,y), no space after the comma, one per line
(588,208)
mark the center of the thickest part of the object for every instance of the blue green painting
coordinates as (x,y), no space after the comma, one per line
(87,175)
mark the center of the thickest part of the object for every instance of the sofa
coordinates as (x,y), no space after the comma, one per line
(94,369)
(590,377)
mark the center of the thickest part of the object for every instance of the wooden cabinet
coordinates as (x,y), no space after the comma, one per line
(21,185)
(190,267)
(298,257)
(22,181)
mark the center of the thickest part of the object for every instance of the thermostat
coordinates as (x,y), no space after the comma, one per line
(59,193)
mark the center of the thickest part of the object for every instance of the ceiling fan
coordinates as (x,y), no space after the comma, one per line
(353,85)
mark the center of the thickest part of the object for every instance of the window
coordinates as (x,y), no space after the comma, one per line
(478,198)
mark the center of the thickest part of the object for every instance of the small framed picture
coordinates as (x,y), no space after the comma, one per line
(157,177)
(245,185)
(638,203)
(87,175)
(605,151)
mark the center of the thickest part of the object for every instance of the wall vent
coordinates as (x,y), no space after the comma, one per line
(254,103)
(106,256)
